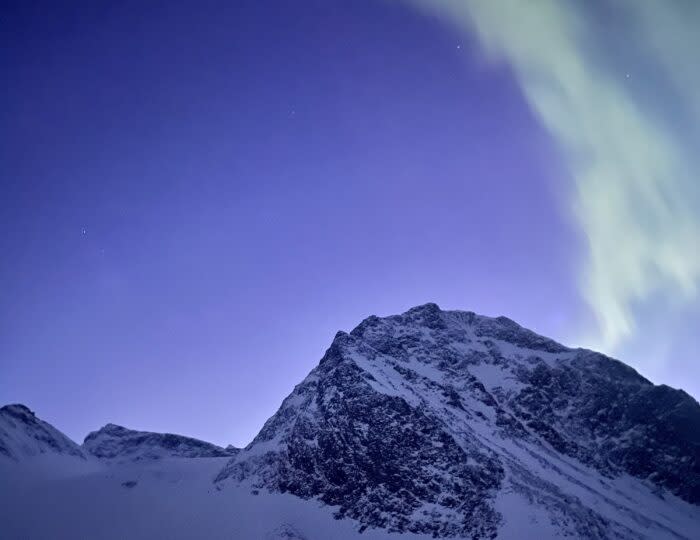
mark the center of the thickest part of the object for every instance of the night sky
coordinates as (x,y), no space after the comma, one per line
(197,195)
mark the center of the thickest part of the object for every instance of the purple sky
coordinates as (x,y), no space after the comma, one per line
(195,200)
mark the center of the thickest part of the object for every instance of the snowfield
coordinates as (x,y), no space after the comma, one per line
(170,498)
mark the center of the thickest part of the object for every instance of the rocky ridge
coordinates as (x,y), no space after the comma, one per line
(114,442)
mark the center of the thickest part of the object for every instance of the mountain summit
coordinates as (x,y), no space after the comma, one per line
(449,423)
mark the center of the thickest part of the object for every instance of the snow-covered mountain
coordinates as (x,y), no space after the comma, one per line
(24,437)
(453,424)
(114,442)
(427,424)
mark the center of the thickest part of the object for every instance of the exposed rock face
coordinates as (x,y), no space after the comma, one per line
(24,436)
(603,413)
(114,442)
(436,421)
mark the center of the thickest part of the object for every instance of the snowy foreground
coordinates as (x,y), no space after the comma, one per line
(176,499)
(421,425)
(170,498)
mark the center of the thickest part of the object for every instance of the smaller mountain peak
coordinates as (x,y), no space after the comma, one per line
(113,442)
(342,339)
(112,430)
(429,315)
(114,427)
(18,410)
(430,307)
(360,329)
(507,322)
(23,435)
(341,342)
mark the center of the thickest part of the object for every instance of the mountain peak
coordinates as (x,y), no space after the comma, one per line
(422,422)
(113,429)
(114,442)
(428,307)
(23,436)
(18,410)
